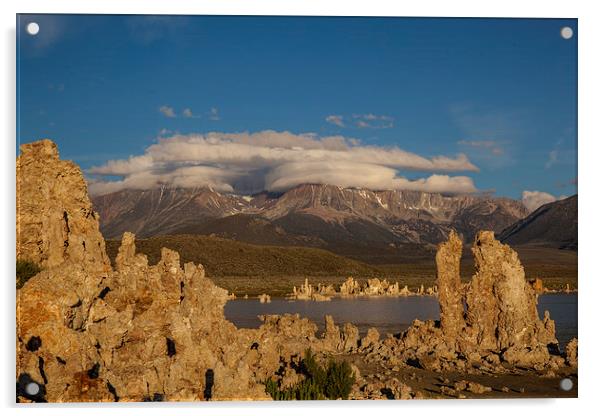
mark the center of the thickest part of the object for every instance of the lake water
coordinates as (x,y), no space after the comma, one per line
(387,314)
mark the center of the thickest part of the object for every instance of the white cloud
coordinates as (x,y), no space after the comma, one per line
(552,159)
(187,112)
(534,199)
(362,121)
(167,111)
(373,121)
(276,161)
(214,114)
(336,120)
(360,175)
(185,177)
(490,146)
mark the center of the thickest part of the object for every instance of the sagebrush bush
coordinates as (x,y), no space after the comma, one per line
(305,390)
(339,380)
(334,381)
(25,270)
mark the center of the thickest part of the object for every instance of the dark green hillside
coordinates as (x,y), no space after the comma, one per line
(251,269)
(222,257)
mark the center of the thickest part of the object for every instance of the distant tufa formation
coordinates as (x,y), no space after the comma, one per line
(353,288)
(140,332)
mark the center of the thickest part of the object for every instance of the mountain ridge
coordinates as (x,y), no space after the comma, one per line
(553,225)
(313,215)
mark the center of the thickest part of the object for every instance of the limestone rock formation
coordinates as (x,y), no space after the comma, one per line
(57,229)
(471,386)
(309,292)
(55,220)
(176,330)
(352,287)
(537,285)
(449,286)
(500,323)
(349,287)
(264,298)
(386,389)
(86,332)
(502,305)
(332,334)
(371,338)
(151,333)
(350,337)
(571,353)
(335,339)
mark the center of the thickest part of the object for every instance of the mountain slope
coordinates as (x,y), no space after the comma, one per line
(163,210)
(309,215)
(551,225)
(222,257)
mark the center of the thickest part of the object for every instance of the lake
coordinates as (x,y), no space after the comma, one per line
(387,314)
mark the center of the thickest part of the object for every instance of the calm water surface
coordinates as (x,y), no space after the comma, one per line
(387,314)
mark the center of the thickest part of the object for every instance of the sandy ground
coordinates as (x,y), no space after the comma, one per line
(519,384)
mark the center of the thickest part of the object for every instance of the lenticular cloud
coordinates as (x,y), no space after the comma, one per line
(276,161)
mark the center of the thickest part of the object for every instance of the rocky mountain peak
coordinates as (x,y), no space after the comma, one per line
(307,212)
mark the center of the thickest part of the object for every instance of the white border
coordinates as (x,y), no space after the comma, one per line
(590,68)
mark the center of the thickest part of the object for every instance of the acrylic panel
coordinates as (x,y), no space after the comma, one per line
(295,208)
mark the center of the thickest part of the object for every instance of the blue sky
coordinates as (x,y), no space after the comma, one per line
(500,91)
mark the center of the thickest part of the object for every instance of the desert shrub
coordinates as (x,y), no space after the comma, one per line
(333,381)
(339,380)
(313,370)
(305,390)
(25,270)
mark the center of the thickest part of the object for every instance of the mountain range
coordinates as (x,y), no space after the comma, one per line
(551,225)
(343,220)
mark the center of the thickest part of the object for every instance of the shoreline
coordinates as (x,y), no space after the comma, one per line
(276,297)
(282,286)
(353,288)
(389,315)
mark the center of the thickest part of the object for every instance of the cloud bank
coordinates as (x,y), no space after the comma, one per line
(534,199)
(276,161)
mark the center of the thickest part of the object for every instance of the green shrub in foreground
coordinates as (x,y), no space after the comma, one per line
(25,270)
(334,381)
